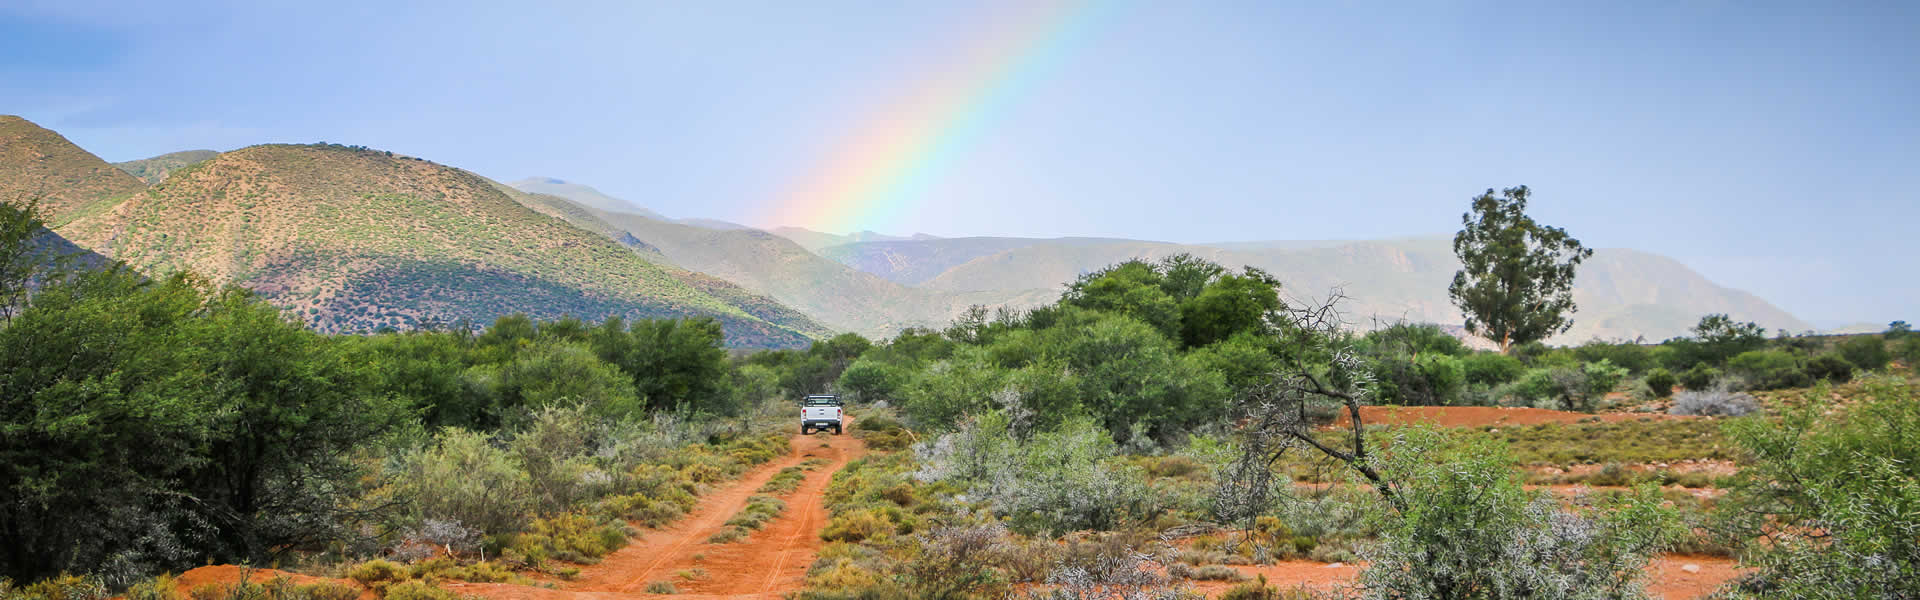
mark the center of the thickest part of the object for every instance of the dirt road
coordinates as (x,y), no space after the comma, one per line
(770,562)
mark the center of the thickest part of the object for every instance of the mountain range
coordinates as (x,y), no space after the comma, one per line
(355,239)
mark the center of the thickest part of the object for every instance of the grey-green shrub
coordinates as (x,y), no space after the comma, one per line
(1717,401)
(1054,482)
(1466,528)
(463,477)
(1851,477)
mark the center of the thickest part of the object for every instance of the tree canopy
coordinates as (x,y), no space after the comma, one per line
(1515,283)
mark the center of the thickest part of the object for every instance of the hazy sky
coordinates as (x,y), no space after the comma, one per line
(1775,147)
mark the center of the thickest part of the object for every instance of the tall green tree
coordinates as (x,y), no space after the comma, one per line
(21,261)
(1515,283)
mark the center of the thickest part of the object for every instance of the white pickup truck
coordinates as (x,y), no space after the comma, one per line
(820,412)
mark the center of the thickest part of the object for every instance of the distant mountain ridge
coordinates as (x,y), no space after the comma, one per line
(1622,294)
(585,195)
(814,241)
(837,295)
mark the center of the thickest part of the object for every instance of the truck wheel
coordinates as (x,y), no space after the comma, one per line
(804,430)
(836,430)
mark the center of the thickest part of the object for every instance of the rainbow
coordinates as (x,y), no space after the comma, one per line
(892,160)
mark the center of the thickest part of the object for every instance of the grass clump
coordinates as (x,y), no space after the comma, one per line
(573,537)
(759,509)
(786,481)
(1259,589)
(661,587)
(63,587)
(378,574)
(1217,573)
(160,587)
(278,588)
(1642,441)
(418,590)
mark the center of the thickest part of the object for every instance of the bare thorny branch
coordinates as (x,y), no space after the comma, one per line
(1318,367)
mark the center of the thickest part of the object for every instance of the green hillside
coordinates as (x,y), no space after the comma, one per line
(1622,294)
(69,182)
(153,170)
(355,239)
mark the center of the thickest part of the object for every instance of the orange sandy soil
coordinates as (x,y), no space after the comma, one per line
(766,564)
(1669,580)
(1482,416)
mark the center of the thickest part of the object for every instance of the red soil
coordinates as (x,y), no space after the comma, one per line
(1669,579)
(1483,416)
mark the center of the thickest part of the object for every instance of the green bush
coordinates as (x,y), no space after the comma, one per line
(1700,377)
(857,526)
(1770,370)
(575,537)
(1257,589)
(1463,521)
(1835,492)
(160,587)
(1830,367)
(1491,368)
(1635,358)
(1661,381)
(62,587)
(418,590)
(1868,352)
(1415,339)
(378,575)
(1565,388)
(871,380)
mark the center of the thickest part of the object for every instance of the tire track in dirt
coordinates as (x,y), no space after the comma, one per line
(773,560)
(766,564)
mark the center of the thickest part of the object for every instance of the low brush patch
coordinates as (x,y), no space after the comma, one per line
(752,517)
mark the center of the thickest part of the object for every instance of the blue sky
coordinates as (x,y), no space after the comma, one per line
(1775,147)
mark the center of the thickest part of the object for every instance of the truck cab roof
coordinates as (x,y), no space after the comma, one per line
(822,399)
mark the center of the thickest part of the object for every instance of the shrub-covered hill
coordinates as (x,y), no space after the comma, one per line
(154,170)
(36,163)
(353,239)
